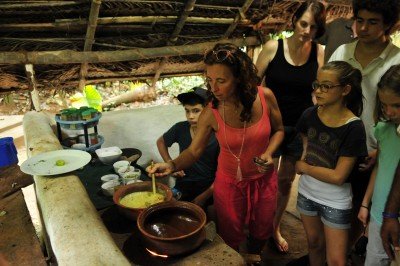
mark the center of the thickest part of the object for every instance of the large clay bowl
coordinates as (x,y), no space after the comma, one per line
(133,213)
(172,228)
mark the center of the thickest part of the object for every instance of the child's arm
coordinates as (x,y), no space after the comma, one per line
(203,197)
(335,176)
(163,149)
(363,214)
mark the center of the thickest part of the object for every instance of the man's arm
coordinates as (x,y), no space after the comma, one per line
(390,228)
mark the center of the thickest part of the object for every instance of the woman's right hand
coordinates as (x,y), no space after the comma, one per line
(160,169)
(363,216)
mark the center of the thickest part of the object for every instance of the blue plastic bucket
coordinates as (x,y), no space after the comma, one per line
(8,152)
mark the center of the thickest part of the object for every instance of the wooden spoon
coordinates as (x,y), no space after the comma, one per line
(153,179)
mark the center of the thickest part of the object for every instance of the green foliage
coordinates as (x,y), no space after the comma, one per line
(93,97)
(176,85)
(281,35)
(8,99)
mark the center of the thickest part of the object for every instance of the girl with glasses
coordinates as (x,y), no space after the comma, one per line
(387,134)
(289,67)
(248,126)
(334,141)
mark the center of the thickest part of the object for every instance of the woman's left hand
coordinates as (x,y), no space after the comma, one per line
(267,163)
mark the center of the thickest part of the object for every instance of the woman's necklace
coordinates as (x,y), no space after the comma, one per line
(239,171)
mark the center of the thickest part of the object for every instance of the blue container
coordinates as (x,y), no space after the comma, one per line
(8,152)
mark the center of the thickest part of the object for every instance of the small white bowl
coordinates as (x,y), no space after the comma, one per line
(131,175)
(125,169)
(109,155)
(108,188)
(120,164)
(106,178)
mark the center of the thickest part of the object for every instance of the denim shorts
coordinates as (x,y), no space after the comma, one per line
(292,145)
(331,217)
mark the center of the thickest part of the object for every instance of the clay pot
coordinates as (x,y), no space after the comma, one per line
(133,213)
(172,228)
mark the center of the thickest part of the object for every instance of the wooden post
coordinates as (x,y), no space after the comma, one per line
(30,73)
(89,39)
(157,75)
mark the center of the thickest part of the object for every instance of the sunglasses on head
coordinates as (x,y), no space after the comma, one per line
(220,55)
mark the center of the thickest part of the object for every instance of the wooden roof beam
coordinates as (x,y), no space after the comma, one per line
(189,6)
(89,39)
(73,57)
(181,22)
(74,25)
(148,19)
(239,16)
(43,4)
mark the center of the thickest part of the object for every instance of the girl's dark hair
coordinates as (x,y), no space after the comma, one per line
(318,11)
(243,70)
(389,81)
(389,9)
(348,75)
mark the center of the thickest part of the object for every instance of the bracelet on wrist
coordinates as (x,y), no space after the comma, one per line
(388,215)
(364,206)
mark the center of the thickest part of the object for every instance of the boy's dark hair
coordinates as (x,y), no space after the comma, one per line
(389,9)
(197,95)
(318,11)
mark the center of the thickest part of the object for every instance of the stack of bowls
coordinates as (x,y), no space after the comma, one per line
(128,173)
(110,182)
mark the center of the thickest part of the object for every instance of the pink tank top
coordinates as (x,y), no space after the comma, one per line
(256,141)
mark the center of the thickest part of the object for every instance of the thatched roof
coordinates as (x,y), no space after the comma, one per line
(126,39)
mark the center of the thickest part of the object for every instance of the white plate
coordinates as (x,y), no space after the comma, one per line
(45,163)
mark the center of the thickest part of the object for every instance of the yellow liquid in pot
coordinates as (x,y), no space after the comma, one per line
(141,199)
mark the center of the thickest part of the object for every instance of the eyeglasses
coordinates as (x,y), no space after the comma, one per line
(220,55)
(323,87)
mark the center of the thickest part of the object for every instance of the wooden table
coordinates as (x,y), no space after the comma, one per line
(19,244)
(12,180)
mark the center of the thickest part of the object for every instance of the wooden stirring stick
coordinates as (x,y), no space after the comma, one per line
(153,179)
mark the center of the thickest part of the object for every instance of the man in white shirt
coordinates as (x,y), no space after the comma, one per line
(373,54)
